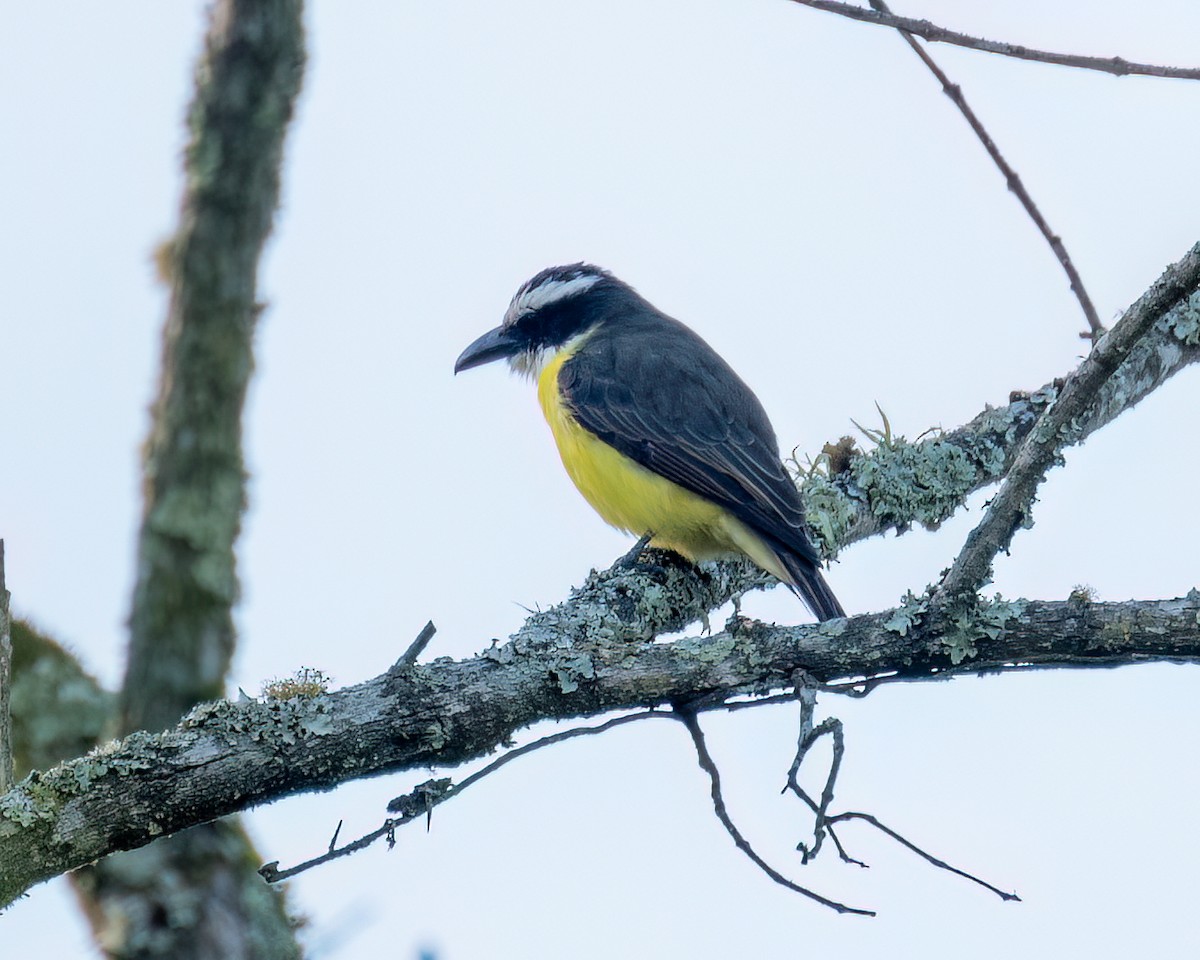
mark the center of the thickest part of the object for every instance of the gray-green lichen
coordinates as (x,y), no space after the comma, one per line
(708,649)
(571,671)
(306,682)
(1113,635)
(830,513)
(21,807)
(283,721)
(964,626)
(1184,321)
(1082,594)
(968,626)
(41,795)
(899,483)
(906,617)
(922,483)
(832,629)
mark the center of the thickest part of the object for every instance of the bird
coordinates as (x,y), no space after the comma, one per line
(656,430)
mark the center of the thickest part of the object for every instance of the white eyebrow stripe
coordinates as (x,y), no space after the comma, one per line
(547,292)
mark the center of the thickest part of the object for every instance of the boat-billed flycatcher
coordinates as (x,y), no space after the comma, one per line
(657,431)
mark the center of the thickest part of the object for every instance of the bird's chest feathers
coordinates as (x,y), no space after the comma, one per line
(623,492)
(591,463)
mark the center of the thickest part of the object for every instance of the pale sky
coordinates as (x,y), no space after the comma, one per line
(794,187)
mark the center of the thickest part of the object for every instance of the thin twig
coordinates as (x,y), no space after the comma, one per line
(806,689)
(1118,66)
(546,742)
(687,717)
(813,806)
(415,649)
(807,696)
(806,693)
(272,874)
(1057,427)
(436,792)
(941,864)
(1011,178)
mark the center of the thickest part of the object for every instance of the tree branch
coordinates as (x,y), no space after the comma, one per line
(1118,66)
(226,757)
(899,483)
(181,627)
(1057,428)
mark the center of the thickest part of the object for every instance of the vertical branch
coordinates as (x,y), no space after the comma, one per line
(196,895)
(6,746)
(181,627)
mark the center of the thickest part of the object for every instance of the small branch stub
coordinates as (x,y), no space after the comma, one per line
(416,648)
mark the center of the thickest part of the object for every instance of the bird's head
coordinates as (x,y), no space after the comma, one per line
(548,312)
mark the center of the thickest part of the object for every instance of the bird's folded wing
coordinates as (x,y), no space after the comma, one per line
(695,423)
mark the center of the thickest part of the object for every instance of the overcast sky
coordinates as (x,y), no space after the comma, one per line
(794,187)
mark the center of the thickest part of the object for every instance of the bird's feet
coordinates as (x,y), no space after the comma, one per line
(630,560)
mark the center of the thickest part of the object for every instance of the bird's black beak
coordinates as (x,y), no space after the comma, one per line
(493,345)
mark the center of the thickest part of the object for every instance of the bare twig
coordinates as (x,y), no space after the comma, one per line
(940,864)
(272,874)
(415,649)
(6,746)
(1058,428)
(1118,66)
(688,718)
(806,694)
(1015,184)
(424,797)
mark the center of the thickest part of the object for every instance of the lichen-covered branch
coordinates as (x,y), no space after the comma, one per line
(225,757)
(1057,428)
(899,484)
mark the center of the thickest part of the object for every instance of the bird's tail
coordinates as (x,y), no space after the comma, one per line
(808,584)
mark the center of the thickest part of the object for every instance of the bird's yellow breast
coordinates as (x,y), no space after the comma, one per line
(635,499)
